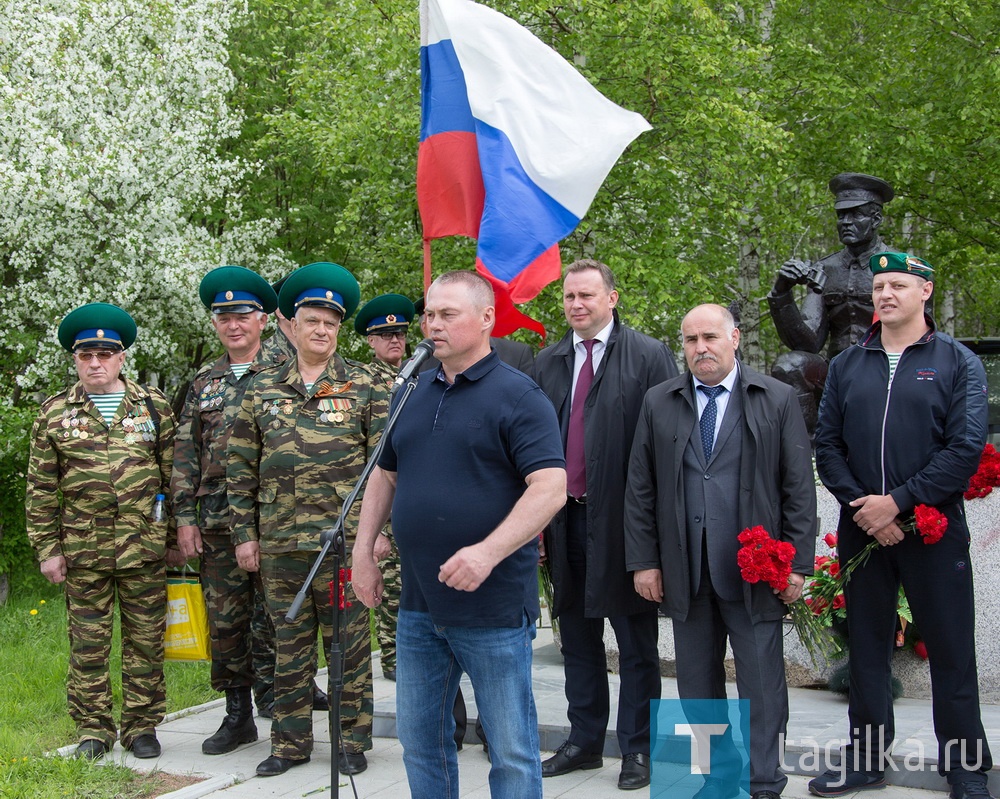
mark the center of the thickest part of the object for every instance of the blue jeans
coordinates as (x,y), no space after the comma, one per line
(429,664)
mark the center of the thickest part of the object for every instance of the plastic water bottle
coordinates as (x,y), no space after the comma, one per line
(159,509)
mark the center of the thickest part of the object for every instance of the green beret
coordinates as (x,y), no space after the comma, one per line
(385,312)
(851,189)
(321,284)
(900,262)
(97,325)
(236,289)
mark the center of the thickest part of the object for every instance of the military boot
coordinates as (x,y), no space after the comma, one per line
(237,727)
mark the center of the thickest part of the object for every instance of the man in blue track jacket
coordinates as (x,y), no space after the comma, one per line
(903,423)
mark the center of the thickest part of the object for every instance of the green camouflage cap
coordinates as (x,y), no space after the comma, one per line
(236,289)
(321,284)
(97,325)
(387,312)
(900,262)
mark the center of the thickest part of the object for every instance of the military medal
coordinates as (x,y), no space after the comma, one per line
(288,407)
(84,434)
(338,417)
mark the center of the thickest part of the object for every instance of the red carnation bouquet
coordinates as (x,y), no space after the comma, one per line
(987,476)
(928,522)
(763,559)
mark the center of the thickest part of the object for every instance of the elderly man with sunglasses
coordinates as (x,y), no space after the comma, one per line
(101,455)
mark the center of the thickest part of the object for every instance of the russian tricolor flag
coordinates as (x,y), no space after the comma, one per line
(514,143)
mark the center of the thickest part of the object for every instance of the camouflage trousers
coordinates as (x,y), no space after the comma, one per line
(295,662)
(386,612)
(142,604)
(238,623)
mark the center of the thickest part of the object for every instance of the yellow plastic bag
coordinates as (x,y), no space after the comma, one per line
(187,620)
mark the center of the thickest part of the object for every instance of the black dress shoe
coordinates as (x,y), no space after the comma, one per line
(570,757)
(321,702)
(635,772)
(717,789)
(352,763)
(275,765)
(389,674)
(145,746)
(92,749)
(975,788)
(766,795)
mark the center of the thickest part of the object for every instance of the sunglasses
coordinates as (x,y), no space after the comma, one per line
(89,355)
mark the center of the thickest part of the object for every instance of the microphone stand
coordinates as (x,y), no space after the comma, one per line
(333,537)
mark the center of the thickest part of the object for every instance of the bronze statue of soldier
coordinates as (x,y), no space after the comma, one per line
(837,309)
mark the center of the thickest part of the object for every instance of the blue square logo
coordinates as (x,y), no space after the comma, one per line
(697,742)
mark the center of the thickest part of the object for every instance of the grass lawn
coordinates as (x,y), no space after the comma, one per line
(34,653)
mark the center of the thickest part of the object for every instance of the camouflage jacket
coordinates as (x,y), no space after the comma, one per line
(384,370)
(277,348)
(198,484)
(91,487)
(294,456)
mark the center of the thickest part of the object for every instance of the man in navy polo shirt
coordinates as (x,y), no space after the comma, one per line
(472,472)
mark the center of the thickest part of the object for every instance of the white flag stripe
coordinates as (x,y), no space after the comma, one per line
(566,134)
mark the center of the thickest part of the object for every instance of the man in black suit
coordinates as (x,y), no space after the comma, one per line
(596,377)
(722,432)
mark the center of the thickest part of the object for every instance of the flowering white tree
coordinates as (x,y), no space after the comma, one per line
(112,189)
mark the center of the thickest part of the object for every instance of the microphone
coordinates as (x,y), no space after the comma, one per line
(424,350)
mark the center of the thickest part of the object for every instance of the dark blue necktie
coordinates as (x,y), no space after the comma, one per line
(708,417)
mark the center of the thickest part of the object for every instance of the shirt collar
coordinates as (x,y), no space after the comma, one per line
(479,369)
(602,335)
(727,382)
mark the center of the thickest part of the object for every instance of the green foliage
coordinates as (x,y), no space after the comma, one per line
(33,663)
(754,107)
(17,558)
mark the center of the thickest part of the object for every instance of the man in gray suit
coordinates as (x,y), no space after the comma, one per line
(716,451)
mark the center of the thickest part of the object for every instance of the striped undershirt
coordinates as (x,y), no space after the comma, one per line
(108,404)
(240,369)
(893,363)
